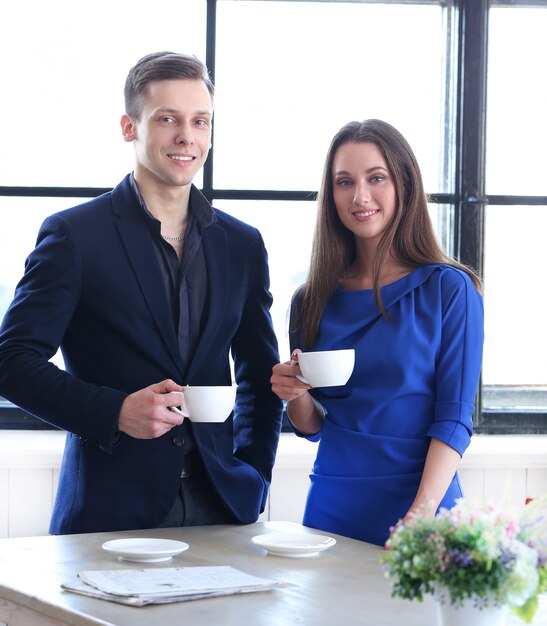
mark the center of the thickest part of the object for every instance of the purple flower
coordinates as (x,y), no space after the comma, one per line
(460,559)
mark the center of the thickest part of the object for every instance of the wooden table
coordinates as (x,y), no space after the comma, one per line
(343,585)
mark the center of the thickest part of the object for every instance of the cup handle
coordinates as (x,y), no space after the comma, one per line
(182,410)
(299,376)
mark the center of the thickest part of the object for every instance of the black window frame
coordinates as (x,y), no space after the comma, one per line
(468,199)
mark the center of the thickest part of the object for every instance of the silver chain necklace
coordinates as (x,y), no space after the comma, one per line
(180,238)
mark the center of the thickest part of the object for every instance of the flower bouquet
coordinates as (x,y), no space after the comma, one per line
(488,554)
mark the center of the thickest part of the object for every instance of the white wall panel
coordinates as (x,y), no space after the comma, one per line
(288,493)
(536,482)
(55,483)
(4,509)
(29,501)
(506,486)
(472,481)
(503,469)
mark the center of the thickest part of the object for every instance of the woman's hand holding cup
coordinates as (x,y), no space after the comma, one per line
(285,379)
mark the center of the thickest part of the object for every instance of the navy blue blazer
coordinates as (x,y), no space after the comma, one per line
(93,287)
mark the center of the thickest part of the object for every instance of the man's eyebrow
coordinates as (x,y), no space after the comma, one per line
(176,111)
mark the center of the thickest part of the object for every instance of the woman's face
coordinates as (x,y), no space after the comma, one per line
(363,189)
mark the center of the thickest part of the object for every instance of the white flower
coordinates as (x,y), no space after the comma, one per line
(523,579)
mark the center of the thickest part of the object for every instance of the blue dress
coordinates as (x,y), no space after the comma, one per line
(415,378)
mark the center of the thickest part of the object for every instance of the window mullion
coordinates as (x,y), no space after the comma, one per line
(471,141)
(210,61)
(470,186)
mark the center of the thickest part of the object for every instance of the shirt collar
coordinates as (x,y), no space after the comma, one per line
(198,206)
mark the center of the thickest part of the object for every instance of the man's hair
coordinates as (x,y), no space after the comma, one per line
(161,66)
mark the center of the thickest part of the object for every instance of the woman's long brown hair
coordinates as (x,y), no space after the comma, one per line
(409,237)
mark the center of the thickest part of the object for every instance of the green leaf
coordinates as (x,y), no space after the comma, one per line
(527,611)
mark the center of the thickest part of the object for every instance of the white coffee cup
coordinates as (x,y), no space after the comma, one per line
(207,404)
(326,368)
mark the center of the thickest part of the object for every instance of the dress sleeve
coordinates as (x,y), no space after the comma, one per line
(459,360)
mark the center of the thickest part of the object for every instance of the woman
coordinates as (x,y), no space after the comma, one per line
(392,437)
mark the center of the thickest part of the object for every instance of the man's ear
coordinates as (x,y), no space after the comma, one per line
(129,128)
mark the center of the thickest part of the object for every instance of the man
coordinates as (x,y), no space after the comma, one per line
(147,288)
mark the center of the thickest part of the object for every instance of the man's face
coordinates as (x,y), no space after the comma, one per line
(173,135)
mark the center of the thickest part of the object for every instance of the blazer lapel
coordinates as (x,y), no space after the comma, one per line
(138,244)
(217,262)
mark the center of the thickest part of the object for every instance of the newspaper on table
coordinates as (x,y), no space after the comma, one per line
(138,587)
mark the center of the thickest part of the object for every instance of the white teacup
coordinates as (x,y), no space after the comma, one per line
(207,404)
(327,368)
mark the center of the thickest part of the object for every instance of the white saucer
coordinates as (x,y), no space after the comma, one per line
(294,544)
(143,550)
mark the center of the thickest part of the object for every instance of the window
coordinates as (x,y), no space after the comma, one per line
(63,89)
(288,74)
(284,87)
(275,113)
(515,366)
(515,363)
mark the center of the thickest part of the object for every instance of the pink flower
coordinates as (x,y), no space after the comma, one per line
(512,529)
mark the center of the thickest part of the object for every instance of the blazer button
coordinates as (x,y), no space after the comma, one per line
(178,441)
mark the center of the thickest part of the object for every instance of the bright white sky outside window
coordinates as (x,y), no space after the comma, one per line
(288,76)
(63,70)
(515,252)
